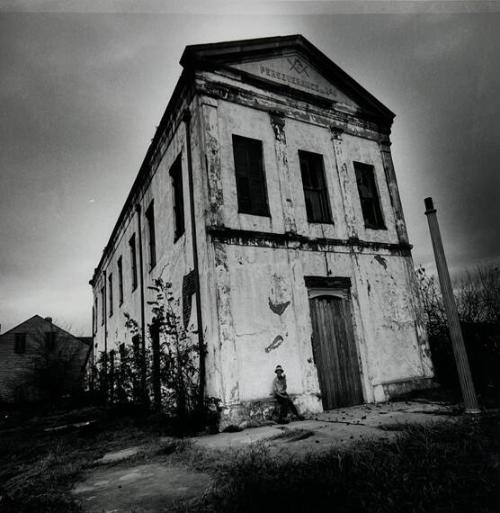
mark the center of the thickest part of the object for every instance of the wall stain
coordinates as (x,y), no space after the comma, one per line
(278,308)
(381,260)
(278,340)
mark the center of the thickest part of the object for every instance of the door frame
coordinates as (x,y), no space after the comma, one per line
(337,286)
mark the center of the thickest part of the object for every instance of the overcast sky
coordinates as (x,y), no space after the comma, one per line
(82,93)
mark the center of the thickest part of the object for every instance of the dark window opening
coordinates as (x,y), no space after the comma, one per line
(312,170)
(150,217)
(110,293)
(120,280)
(20,343)
(176,174)
(250,177)
(133,261)
(50,340)
(95,316)
(121,350)
(103,305)
(368,195)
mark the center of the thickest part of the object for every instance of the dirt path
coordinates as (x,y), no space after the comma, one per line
(148,487)
(120,483)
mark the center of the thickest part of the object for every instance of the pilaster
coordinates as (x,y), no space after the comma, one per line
(215,214)
(390,176)
(285,179)
(346,186)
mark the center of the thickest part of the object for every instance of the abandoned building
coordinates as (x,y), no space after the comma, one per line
(268,198)
(41,361)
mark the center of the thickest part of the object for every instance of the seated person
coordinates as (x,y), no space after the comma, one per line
(280,393)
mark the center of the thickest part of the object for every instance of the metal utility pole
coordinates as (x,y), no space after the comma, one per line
(457,340)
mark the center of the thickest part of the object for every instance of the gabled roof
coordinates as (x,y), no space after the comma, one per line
(229,52)
(42,320)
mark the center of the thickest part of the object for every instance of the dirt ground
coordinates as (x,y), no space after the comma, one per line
(123,482)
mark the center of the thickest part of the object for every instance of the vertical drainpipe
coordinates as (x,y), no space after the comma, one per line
(143,325)
(201,345)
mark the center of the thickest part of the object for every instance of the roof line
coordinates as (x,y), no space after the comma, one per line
(44,320)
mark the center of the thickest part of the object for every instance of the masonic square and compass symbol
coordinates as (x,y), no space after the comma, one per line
(297,65)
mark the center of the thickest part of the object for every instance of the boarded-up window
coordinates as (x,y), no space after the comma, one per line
(178,198)
(120,280)
(20,343)
(150,216)
(110,293)
(315,192)
(368,195)
(133,261)
(250,177)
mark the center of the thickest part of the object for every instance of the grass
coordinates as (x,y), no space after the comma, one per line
(447,467)
(38,468)
(436,468)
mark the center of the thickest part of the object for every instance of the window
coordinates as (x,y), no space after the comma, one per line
(150,217)
(20,343)
(313,181)
(50,340)
(120,280)
(250,179)
(368,195)
(176,174)
(103,304)
(133,261)
(95,316)
(110,293)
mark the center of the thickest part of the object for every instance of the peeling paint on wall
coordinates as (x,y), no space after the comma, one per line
(278,308)
(278,340)
(381,260)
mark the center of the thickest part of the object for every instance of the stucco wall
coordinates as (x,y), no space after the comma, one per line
(173,257)
(261,278)
(391,344)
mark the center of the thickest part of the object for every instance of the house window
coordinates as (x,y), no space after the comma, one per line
(150,217)
(20,343)
(120,280)
(103,305)
(250,178)
(368,195)
(95,316)
(176,174)
(133,261)
(50,340)
(110,293)
(312,170)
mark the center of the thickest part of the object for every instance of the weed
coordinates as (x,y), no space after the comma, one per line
(444,467)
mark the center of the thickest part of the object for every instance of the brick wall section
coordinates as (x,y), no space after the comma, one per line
(16,370)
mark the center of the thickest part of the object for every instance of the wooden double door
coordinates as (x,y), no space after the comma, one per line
(334,351)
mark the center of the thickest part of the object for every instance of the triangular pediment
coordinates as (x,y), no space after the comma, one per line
(295,71)
(290,61)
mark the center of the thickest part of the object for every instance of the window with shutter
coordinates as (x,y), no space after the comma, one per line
(368,196)
(133,261)
(250,177)
(150,217)
(178,198)
(313,182)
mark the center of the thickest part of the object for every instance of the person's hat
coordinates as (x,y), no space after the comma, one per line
(278,368)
